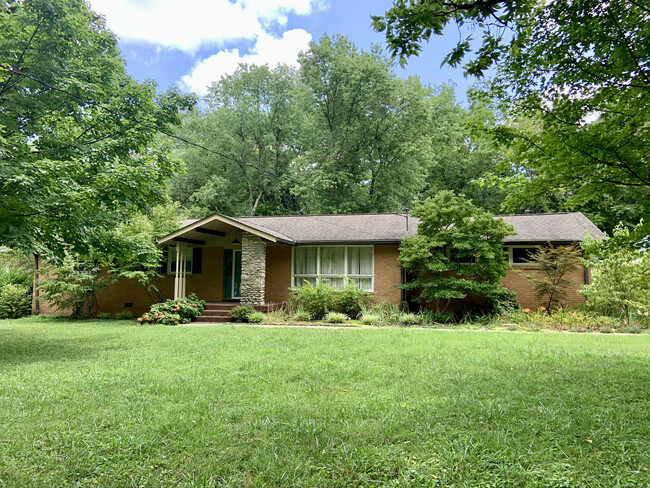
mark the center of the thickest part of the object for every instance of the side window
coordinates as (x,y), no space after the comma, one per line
(171,260)
(523,255)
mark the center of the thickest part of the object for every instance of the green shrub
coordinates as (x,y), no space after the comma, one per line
(302,316)
(174,312)
(14,301)
(104,316)
(335,318)
(370,318)
(257,318)
(606,330)
(431,317)
(630,329)
(409,319)
(575,320)
(241,313)
(320,299)
(124,315)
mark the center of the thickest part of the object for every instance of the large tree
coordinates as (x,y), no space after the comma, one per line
(79,151)
(579,70)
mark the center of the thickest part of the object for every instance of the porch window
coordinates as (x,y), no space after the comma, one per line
(336,264)
(171,260)
(521,255)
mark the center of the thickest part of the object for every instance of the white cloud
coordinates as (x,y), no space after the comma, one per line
(190,24)
(267,50)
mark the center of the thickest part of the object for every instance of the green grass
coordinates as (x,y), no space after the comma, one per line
(107,403)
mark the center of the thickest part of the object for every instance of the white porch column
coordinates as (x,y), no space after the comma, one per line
(181,266)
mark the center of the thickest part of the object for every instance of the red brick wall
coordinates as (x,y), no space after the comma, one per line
(525,289)
(278,273)
(387,273)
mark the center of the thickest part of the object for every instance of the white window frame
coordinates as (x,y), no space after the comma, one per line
(345,275)
(189,259)
(519,246)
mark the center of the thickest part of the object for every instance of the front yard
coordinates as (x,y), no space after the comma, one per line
(108,403)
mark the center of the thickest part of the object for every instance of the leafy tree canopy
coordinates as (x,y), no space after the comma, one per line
(574,82)
(457,251)
(79,151)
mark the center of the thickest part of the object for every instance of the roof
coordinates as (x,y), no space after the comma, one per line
(391,227)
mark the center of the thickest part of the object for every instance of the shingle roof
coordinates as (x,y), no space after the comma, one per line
(391,227)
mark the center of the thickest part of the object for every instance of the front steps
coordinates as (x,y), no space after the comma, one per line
(219,312)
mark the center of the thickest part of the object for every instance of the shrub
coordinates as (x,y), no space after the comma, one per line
(606,330)
(335,318)
(124,315)
(174,312)
(302,315)
(320,299)
(630,329)
(409,319)
(14,301)
(241,313)
(445,317)
(370,318)
(561,319)
(257,318)
(104,316)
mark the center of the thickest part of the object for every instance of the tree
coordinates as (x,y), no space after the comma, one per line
(457,251)
(553,263)
(621,273)
(79,151)
(579,70)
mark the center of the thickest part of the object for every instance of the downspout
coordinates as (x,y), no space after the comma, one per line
(37,305)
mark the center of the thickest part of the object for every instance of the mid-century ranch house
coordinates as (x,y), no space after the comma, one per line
(254,260)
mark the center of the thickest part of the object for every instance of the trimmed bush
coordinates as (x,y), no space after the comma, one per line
(370,319)
(302,316)
(241,313)
(335,318)
(124,315)
(257,318)
(14,301)
(174,312)
(104,316)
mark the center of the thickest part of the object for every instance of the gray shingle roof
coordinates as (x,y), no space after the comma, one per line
(391,227)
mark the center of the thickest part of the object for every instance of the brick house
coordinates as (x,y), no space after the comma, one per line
(254,260)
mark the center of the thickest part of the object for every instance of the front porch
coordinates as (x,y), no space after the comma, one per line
(228,263)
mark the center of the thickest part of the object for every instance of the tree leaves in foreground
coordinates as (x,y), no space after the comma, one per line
(579,70)
(69,169)
(457,252)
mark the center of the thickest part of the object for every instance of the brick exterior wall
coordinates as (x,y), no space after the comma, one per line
(278,273)
(387,273)
(208,284)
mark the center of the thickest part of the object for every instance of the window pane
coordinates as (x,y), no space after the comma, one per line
(171,256)
(362,283)
(360,261)
(334,282)
(521,255)
(300,281)
(305,260)
(332,260)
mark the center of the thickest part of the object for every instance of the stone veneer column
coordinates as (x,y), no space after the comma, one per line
(253,269)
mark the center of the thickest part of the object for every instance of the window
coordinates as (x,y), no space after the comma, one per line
(337,264)
(171,260)
(521,255)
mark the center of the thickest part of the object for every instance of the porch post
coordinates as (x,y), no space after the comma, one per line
(179,279)
(253,269)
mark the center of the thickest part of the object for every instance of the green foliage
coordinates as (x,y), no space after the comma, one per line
(71,169)
(368,318)
(257,318)
(15,301)
(553,263)
(241,313)
(457,251)
(302,315)
(575,97)
(173,312)
(320,299)
(620,274)
(562,319)
(408,319)
(104,316)
(335,318)
(124,315)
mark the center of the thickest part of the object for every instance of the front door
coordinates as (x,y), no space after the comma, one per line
(236,274)
(231,274)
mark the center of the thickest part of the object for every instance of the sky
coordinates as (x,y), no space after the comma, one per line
(194,42)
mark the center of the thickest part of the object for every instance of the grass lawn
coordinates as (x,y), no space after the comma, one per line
(107,403)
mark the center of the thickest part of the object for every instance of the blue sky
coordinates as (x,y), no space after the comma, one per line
(194,42)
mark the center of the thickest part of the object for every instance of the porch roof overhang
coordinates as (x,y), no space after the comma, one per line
(215,225)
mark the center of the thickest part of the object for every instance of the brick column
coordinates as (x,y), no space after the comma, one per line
(253,269)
